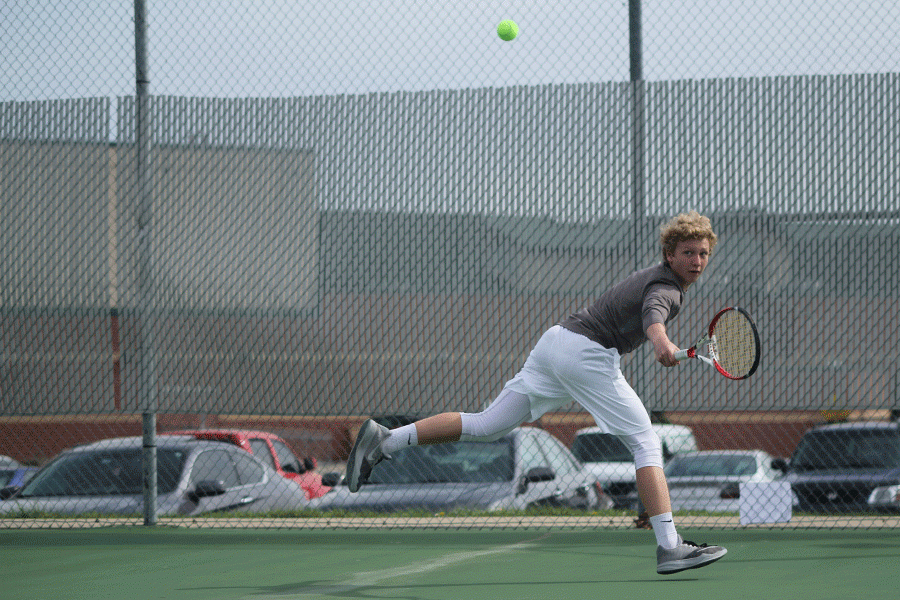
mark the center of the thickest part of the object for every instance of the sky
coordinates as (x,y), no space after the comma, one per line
(288,48)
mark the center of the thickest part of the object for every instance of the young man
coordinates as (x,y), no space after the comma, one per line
(579,360)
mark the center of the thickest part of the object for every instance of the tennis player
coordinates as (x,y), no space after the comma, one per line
(579,360)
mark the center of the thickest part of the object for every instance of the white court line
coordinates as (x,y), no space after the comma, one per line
(370,578)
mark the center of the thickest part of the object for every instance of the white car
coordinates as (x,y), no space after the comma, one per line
(710,480)
(612,463)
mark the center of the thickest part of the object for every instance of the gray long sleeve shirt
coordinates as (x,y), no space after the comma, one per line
(620,317)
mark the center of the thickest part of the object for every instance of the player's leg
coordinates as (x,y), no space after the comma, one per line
(651,483)
(376,442)
(439,429)
(592,376)
(673,553)
(509,410)
(653,490)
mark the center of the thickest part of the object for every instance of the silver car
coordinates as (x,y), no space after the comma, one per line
(710,480)
(526,468)
(193,477)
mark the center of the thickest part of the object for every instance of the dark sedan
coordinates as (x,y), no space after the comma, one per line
(835,468)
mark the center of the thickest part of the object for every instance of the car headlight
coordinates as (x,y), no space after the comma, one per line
(886,494)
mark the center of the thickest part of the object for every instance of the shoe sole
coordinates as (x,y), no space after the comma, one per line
(354,461)
(687,567)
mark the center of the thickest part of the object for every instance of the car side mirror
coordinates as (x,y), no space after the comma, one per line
(536,474)
(205,489)
(331,479)
(730,491)
(780,464)
(290,468)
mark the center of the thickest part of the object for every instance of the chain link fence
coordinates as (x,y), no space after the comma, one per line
(294,216)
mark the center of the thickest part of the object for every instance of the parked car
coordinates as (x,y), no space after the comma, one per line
(612,463)
(193,477)
(837,468)
(710,480)
(272,450)
(526,468)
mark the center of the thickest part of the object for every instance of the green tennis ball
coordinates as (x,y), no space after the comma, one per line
(507,30)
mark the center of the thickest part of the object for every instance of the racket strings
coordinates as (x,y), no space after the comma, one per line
(735,344)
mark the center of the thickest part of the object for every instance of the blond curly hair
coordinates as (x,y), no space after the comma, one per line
(686,226)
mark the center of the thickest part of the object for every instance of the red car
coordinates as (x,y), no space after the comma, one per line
(272,450)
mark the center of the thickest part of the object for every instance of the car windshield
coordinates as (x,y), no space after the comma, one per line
(105,472)
(459,462)
(711,465)
(848,449)
(600,447)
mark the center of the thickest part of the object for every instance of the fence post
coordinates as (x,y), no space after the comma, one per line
(145,360)
(149,462)
(635,55)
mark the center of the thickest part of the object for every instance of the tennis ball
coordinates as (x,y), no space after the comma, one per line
(507,30)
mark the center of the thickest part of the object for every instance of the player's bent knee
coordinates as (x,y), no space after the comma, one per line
(646,448)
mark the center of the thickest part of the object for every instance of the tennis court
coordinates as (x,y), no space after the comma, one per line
(530,563)
(291,216)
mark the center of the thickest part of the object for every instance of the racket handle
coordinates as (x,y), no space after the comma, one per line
(683,354)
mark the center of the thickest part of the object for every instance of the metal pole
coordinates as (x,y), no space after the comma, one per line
(635,45)
(146,369)
(636,64)
(635,41)
(150,491)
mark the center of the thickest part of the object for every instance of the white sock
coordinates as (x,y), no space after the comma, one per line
(400,438)
(664,528)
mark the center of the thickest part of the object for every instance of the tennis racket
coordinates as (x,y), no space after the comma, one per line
(732,344)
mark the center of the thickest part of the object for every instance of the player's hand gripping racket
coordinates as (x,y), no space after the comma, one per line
(732,344)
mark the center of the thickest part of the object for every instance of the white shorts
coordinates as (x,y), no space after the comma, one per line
(565,366)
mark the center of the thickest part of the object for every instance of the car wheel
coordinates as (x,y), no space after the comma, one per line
(587,498)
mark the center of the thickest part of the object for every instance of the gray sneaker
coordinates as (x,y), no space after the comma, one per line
(686,555)
(366,453)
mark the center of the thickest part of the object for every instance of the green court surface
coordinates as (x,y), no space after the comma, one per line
(137,563)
